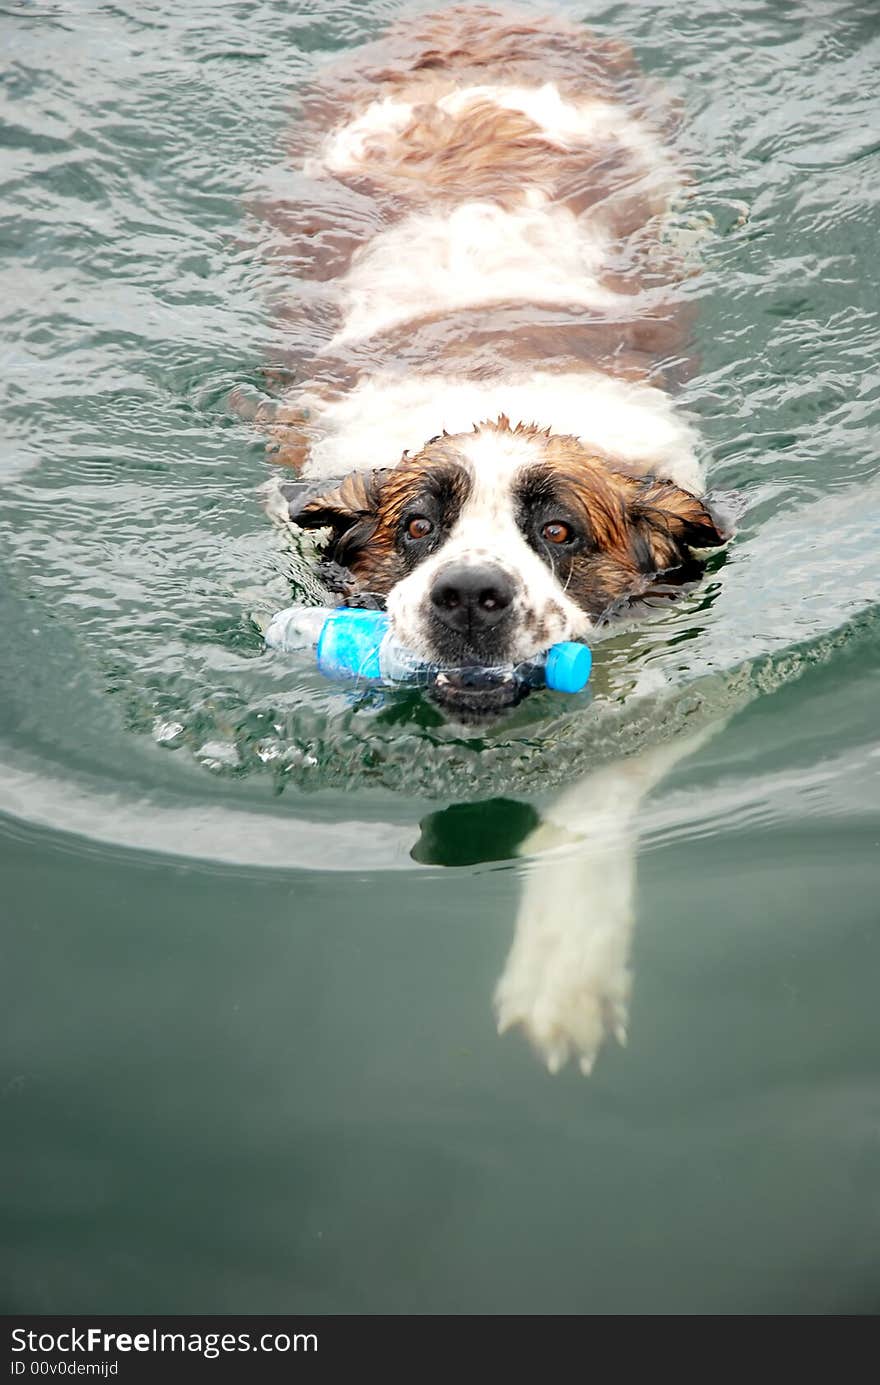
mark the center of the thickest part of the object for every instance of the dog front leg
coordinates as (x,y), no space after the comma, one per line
(567,979)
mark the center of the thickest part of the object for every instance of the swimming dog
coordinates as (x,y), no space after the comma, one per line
(485,435)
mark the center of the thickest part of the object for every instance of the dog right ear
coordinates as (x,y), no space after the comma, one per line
(350,512)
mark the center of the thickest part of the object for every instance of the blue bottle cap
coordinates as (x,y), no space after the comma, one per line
(568,666)
(348,645)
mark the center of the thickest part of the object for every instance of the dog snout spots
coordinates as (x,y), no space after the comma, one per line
(535,626)
(469,598)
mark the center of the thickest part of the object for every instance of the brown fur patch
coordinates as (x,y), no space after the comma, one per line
(634,529)
(366,521)
(485,151)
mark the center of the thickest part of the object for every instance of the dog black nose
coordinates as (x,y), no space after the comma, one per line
(469,599)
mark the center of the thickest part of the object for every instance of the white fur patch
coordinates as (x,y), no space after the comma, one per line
(487,531)
(477,253)
(382,417)
(348,148)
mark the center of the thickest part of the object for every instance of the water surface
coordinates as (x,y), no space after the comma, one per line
(252,926)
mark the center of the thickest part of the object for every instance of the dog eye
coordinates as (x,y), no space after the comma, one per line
(419,527)
(557,532)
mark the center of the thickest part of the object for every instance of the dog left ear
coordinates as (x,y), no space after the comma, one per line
(350,512)
(676,524)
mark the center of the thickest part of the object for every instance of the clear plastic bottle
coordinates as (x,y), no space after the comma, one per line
(351,643)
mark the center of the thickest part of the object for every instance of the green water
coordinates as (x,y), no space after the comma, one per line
(250,928)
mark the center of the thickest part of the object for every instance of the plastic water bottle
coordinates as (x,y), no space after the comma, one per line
(352,643)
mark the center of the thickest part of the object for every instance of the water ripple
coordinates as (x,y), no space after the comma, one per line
(139,153)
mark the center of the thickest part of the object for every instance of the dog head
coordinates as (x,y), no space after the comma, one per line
(492,545)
